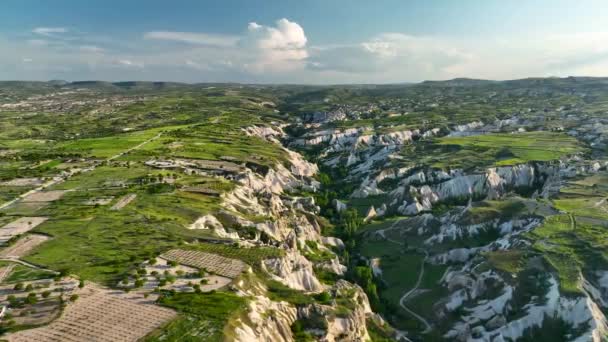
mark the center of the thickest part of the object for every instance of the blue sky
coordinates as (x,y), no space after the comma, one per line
(330,41)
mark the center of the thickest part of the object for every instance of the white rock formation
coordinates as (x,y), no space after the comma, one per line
(295,271)
(266,321)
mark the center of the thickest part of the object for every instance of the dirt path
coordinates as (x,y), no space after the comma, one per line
(25,263)
(572,221)
(406,295)
(135,147)
(412,290)
(59,179)
(5,271)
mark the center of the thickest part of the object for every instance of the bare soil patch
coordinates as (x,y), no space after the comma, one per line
(124,201)
(23,246)
(23,182)
(19,226)
(44,196)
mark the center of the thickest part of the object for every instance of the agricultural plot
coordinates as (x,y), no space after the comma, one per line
(37,301)
(43,312)
(493,149)
(124,201)
(22,273)
(107,147)
(182,278)
(19,226)
(21,208)
(226,267)
(214,141)
(23,182)
(99,201)
(23,246)
(44,196)
(100,315)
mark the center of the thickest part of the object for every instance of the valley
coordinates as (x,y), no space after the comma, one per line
(462,210)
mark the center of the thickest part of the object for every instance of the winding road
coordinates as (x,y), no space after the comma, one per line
(404,298)
(406,295)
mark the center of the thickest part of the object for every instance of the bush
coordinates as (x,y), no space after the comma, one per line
(31,299)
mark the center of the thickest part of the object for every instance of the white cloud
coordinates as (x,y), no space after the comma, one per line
(194,38)
(282,52)
(129,63)
(277,49)
(390,57)
(91,49)
(260,49)
(49,31)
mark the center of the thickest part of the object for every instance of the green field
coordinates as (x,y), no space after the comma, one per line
(203,316)
(486,150)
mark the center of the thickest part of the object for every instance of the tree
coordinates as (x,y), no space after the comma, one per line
(31,298)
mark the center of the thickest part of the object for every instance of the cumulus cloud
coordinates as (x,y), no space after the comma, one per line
(259,49)
(49,31)
(281,48)
(281,52)
(194,38)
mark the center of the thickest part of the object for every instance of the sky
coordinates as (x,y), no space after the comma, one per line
(303,42)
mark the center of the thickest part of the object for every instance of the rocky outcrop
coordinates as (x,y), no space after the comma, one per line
(580,313)
(290,224)
(211,222)
(295,271)
(330,326)
(266,321)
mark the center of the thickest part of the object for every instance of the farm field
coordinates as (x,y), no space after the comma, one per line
(89,318)
(494,149)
